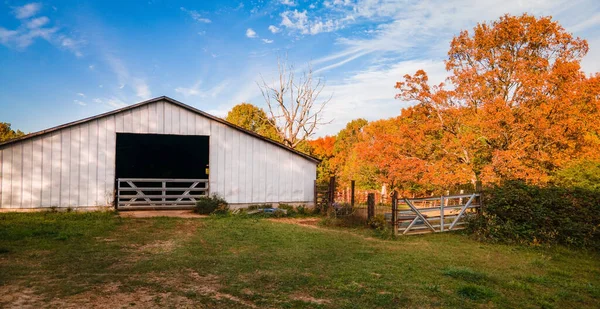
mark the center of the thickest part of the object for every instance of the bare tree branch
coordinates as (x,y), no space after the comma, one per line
(293,103)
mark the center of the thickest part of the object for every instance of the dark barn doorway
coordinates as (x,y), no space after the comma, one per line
(160,171)
(162,156)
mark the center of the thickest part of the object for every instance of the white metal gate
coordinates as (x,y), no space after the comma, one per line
(155,193)
(436,214)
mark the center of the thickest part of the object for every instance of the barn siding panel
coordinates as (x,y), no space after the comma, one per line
(83,164)
(65,155)
(16,174)
(212,161)
(110,163)
(222,155)
(6,177)
(27,171)
(46,171)
(75,166)
(93,165)
(234,179)
(243,167)
(56,169)
(101,162)
(36,198)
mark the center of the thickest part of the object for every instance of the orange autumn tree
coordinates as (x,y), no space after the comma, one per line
(516,105)
(322,148)
(344,163)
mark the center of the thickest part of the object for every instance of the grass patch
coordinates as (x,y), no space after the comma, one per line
(475,292)
(466,274)
(86,259)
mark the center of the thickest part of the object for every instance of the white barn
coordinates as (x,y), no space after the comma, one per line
(164,151)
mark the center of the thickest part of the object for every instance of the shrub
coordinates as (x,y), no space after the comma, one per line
(378,222)
(517,212)
(290,210)
(214,204)
(303,211)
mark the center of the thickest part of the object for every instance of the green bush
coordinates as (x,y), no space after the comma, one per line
(290,211)
(378,222)
(517,212)
(214,204)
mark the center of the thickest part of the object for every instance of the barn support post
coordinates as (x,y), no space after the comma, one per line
(370,206)
(395,213)
(316,194)
(352,193)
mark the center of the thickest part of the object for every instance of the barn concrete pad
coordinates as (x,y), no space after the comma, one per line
(160,213)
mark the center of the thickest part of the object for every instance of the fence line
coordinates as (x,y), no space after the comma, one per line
(406,215)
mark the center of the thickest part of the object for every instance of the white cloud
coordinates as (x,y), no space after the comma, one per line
(137,84)
(369,93)
(37,22)
(7,35)
(91,67)
(81,94)
(251,33)
(288,2)
(142,90)
(116,103)
(196,16)
(32,28)
(274,29)
(195,90)
(298,21)
(27,10)
(267,41)
(80,102)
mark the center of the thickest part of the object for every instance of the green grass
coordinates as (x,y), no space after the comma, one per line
(53,259)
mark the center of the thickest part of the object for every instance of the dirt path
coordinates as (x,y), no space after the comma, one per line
(160,213)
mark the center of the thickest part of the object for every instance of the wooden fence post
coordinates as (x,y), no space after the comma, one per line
(442,213)
(331,190)
(395,212)
(352,193)
(370,206)
(478,189)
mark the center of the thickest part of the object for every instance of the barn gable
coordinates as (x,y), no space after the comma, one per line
(73,165)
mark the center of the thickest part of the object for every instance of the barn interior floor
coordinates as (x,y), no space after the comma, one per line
(160,213)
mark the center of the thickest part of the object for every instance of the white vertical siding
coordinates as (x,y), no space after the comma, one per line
(110,163)
(36,197)
(93,164)
(46,199)
(27,174)
(101,162)
(75,166)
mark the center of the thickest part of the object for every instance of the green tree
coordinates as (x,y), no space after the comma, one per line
(254,119)
(583,174)
(6,133)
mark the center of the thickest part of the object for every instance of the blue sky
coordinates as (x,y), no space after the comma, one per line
(65,60)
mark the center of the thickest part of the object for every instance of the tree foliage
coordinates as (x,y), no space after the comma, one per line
(516,105)
(6,133)
(254,119)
